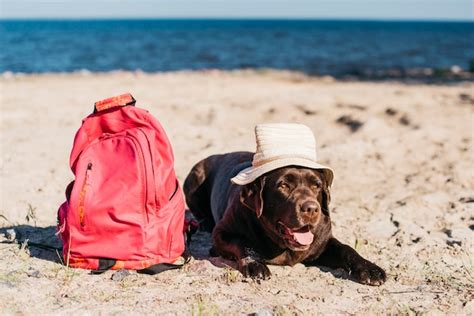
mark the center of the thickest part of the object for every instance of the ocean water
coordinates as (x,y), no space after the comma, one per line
(322,47)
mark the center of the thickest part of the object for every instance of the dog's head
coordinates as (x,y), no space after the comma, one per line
(289,202)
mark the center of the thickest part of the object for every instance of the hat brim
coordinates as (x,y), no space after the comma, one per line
(250,174)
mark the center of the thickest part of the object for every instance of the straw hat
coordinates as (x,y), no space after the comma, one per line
(281,145)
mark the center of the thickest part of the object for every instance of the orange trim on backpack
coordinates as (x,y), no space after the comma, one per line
(93,263)
(82,196)
(120,100)
(81,207)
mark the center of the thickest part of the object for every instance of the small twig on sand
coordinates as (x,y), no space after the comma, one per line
(418,289)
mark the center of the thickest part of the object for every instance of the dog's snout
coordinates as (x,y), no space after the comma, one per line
(309,207)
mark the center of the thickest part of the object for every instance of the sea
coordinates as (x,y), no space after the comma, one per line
(316,47)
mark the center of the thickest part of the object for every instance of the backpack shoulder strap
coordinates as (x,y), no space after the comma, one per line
(104,265)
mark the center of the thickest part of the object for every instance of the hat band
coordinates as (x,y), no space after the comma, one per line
(258,163)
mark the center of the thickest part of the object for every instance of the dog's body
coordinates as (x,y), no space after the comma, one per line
(281,218)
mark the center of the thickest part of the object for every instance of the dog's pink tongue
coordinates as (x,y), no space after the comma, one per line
(304,238)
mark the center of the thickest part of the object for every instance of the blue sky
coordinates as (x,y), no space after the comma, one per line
(357,9)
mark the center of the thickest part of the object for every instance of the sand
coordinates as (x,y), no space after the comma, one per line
(403,192)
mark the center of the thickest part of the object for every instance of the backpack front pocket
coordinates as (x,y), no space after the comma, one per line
(110,199)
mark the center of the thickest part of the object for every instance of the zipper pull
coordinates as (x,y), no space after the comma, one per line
(82,195)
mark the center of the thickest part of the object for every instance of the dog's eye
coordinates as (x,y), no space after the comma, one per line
(283,186)
(315,186)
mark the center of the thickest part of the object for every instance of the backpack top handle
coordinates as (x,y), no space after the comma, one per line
(120,100)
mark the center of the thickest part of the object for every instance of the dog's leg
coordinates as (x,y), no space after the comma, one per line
(230,246)
(197,195)
(337,255)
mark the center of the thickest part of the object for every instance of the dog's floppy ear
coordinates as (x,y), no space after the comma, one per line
(326,194)
(251,195)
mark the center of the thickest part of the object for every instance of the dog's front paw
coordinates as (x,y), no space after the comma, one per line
(254,269)
(366,272)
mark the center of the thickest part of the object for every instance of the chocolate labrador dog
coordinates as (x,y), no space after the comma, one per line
(281,218)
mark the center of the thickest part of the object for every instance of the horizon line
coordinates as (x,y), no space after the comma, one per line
(280,18)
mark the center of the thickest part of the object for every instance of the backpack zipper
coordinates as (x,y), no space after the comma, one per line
(82,195)
(174,192)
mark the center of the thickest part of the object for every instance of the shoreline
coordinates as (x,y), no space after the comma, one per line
(418,76)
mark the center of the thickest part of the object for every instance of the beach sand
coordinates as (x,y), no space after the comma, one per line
(403,192)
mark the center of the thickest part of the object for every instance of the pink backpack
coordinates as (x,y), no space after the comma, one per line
(125,208)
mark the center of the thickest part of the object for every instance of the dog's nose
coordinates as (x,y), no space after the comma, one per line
(309,207)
